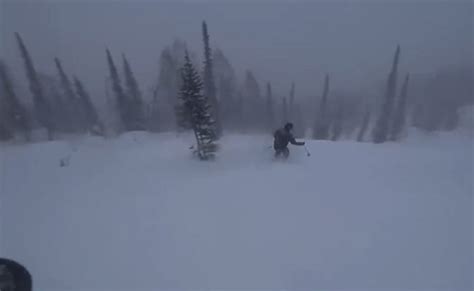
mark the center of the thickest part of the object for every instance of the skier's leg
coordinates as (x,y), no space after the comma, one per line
(286,152)
(277,153)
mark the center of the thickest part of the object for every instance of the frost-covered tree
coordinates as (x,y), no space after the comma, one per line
(194,111)
(226,89)
(209,83)
(399,118)
(321,126)
(134,98)
(291,104)
(93,123)
(269,108)
(68,109)
(165,90)
(42,108)
(121,99)
(381,131)
(364,126)
(337,122)
(284,111)
(13,114)
(253,105)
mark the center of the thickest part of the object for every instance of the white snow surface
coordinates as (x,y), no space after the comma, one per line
(138,212)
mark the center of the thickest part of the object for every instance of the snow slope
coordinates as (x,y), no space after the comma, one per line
(137,212)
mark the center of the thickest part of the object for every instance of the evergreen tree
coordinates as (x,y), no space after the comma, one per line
(382,126)
(122,101)
(165,94)
(226,89)
(298,120)
(399,118)
(5,132)
(61,115)
(291,105)
(321,127)
(253,112)
(153,112)
(284,111)
(209,84)
(41,104)
(134,96)
(92,118)
(239,112)
(337,122)
(270,114)
(13,114)
(72,116)
(364,126)
(194,111)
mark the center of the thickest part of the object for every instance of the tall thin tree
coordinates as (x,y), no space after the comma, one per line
(74,116)
(41,104)
(122,101)
(291,105)
(270,114)
(209,83)
(284,111)
(364,125)
(399,118)
(194,111)
(321,127)
(137,119)
(94,125)
(337,123)
(14,114)
(382,126)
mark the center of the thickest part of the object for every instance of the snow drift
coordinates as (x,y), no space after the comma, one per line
(138,212)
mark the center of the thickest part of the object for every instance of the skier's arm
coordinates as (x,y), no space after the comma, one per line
(294,142)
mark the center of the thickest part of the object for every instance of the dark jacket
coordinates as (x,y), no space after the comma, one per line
(282,138)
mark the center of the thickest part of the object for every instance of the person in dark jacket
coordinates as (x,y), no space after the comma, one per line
(283,136)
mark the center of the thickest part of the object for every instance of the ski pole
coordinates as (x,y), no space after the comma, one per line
(307,151)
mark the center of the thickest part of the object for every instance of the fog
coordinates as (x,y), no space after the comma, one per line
(281,41)
(103,185)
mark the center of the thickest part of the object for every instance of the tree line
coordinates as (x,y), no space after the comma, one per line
(209,100)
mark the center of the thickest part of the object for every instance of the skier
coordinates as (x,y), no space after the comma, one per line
(283,136)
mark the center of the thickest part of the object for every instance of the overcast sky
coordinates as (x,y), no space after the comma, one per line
(280,40)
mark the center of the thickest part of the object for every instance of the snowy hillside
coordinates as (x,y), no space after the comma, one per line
(138,212)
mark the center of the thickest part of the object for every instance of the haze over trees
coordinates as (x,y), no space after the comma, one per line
(236,102)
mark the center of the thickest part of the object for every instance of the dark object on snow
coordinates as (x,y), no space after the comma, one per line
(283,136)
(14,277)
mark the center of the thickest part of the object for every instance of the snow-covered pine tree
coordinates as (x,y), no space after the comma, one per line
(382,126)
(42,108)
(91,117)
(291,104)
(336,127)
(284,111)
(121,101)
(194,111)
(364,125)
(321,127)
(253,111)
(269,114)
(13,114)
(399,118)
(71,115)
(137,117)
(209,83)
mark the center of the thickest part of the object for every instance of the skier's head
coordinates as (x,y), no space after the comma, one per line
(288,126)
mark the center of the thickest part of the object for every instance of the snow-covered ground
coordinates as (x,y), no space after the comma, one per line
(137,212)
